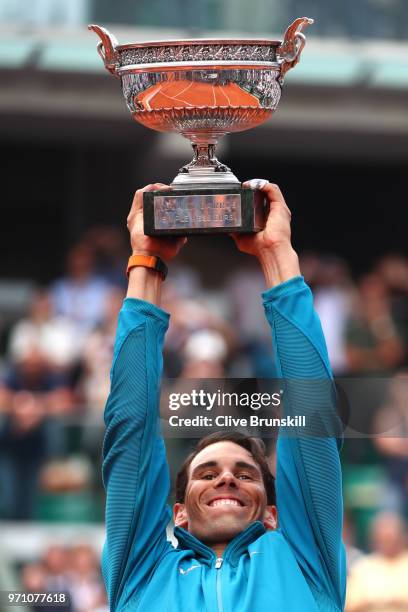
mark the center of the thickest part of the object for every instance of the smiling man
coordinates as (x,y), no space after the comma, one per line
(222,487)
(241,546)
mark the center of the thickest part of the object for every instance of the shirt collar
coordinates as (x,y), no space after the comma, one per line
(234,549)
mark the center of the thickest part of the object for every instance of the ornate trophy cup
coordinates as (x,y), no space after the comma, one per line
(203,89)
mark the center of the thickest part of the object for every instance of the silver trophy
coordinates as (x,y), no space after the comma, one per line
(203,89)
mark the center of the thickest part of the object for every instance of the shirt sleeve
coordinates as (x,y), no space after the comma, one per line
(135,471)
(308,477)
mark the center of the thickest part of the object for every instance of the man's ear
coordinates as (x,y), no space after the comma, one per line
(270,519)
(180,516)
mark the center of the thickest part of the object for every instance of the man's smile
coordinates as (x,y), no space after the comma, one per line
(225,501)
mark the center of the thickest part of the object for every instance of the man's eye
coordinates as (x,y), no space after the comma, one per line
(207,476)
(244,477)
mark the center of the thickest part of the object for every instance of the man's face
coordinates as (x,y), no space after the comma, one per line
(225,493)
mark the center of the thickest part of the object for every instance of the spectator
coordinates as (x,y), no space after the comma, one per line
(111,253)
(373,341)
(204,355)
(97,354)
(27,440)
(189,317)
(391,425)
(86,589)
(393,271)
(74,571)
(33,372)
(55,338)
(81,294)
(255,352)
(333,299)
(55,561)
(353,553)
(378,582)
(34,580)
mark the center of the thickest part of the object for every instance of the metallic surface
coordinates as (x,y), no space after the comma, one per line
(197,50)
(216,100)
(202,89)
(177,212)
(197,211)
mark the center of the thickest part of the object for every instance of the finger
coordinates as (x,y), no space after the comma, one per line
(275,196)
(279,207)
(138,197)
(274,193)
(156,186)
(263,185)
(174,243)
(173,240)
(242,238)
(255,183)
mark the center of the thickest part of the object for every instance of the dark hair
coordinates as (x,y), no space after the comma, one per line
(254,446)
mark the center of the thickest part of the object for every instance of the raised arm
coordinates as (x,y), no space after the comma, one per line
(308,479)
(134,460)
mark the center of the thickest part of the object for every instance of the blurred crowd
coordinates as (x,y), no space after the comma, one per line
(55,381)
(377,580)
(73,571)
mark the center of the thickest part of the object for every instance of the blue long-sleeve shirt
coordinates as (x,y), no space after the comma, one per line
(298,567)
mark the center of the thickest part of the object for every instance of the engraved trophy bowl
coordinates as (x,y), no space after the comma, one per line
(203,89)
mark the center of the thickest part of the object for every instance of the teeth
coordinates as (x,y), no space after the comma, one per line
(224,502)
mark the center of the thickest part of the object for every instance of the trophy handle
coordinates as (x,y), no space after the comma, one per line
(289,51)
(106,48)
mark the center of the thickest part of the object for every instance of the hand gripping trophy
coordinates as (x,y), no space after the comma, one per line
(203,89)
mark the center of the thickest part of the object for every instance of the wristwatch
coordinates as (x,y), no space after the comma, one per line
(147,261)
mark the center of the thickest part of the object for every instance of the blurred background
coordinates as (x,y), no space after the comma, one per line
(72,159)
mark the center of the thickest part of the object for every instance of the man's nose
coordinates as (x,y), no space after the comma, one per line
(227,479)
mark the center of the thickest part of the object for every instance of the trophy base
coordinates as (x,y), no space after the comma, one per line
(181,212)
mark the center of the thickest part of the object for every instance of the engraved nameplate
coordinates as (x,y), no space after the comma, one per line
(197,211)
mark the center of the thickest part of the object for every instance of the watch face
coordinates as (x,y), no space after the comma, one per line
(161,267)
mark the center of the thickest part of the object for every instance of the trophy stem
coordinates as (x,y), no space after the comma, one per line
(204,157)
(204,170)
